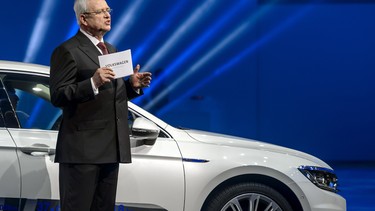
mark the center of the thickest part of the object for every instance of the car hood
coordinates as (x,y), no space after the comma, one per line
(233,141)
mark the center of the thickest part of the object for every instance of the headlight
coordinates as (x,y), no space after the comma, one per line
(322,177)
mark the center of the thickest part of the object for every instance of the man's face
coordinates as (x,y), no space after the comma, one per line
(97,17)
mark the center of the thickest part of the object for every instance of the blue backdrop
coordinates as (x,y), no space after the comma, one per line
(295,73)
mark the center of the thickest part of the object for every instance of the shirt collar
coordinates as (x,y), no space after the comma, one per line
(92,38)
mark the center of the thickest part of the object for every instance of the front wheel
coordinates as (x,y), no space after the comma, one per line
(247,196)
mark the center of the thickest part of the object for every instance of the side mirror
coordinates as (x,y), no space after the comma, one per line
(144,131)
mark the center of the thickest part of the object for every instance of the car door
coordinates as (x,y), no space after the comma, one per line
(10,175)
(155,178)
(33,132)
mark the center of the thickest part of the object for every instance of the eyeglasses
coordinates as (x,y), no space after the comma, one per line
(98,12)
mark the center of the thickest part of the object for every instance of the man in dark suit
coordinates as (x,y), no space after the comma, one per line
(93,137)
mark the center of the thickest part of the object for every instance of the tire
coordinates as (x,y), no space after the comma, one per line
(247,196)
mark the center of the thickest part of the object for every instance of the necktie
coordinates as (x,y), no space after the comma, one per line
(102,47)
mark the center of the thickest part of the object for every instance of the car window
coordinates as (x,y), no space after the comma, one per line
(7,117)
(30,101)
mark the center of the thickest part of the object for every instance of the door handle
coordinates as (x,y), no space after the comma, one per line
(38,150)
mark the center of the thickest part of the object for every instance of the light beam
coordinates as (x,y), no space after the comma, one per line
(40,30)
(228,66)
(196,16)
(126,21)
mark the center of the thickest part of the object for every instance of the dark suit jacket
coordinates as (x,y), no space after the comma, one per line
(94,128)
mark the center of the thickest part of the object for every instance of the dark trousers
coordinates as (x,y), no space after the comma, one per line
(88,187)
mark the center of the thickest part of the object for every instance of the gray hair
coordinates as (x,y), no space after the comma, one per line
(80,6)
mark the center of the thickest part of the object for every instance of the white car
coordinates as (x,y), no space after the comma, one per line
(173,169)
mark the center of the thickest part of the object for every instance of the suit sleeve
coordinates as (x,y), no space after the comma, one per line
(65,89)
(131,93)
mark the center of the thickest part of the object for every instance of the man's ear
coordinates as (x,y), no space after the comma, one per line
(83,19)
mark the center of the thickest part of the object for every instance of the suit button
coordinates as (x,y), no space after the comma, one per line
(118,119)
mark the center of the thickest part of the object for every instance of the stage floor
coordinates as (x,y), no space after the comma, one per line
(357,184)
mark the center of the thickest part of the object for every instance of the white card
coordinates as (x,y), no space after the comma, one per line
(120,62)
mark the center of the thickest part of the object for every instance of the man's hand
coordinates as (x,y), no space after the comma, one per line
(103,75)
(140,80)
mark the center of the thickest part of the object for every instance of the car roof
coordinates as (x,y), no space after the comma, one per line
(24,67)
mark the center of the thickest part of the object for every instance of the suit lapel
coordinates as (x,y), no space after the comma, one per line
(110,48)
(88,48)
